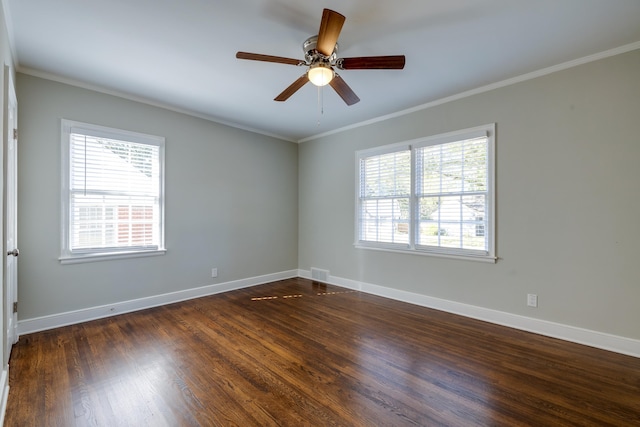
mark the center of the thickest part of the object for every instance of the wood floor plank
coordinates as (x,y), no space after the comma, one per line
(296,353)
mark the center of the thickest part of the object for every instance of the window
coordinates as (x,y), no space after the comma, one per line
(433,195)
(385,190)
(112,190)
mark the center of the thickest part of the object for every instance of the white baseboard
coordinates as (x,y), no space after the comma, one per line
(28,326)
(588,337)
(4,393)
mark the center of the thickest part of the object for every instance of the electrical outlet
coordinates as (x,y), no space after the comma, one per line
(214,272)
(532,300)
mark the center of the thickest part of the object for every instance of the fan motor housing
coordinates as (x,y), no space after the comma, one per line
(312,55)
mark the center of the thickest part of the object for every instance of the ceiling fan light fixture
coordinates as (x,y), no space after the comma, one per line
(320,74)
(321,56)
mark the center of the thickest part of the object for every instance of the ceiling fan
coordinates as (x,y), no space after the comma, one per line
(320,53)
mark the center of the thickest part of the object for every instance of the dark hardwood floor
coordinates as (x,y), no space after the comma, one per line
(295,353)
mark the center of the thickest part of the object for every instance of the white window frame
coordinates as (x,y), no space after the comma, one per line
(68,255)
(412,247)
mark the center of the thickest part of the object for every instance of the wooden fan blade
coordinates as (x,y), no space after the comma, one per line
(268,58)
(395,62)
(329,31)
(343,89)
(295,86)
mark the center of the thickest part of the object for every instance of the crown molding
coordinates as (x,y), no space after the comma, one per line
(508,82)
(142,100)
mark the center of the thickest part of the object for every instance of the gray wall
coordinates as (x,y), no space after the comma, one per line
(567,211)
(568,208)
(231,203)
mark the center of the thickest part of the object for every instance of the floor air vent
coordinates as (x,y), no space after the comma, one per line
(320,275)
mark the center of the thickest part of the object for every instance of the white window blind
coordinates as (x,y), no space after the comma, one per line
(113,191)
(451,190)
(385,189)
(433,195)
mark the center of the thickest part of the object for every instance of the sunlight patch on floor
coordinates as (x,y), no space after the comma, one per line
(335,293)
(273,297)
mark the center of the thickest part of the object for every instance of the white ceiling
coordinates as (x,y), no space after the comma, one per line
(181,53)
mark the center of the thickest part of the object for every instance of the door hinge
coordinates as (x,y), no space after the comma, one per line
(15,307)
(15,133)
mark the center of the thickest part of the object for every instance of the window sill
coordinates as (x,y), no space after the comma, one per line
(77,259)
(476,258)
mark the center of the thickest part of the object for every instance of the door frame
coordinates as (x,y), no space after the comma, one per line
(9,219)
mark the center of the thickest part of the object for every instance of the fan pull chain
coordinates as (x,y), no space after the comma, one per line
(320,103)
